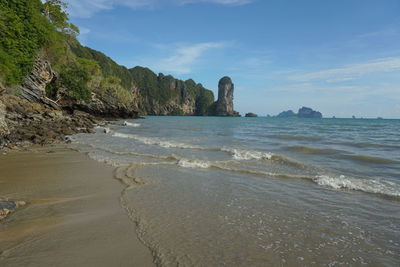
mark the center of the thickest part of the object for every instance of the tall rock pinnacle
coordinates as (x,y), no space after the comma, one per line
(224,104)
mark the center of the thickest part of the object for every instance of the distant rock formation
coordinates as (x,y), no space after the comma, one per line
(305,112)
(224,104)
(286,114)
(250,114)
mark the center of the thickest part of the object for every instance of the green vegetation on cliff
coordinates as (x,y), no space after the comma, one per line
(26,27)
(32,30)
(23,31)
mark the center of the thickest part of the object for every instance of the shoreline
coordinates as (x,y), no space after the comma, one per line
(72,215)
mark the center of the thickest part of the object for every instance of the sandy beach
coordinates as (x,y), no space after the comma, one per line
(72,217)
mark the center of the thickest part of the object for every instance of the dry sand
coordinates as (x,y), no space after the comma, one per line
(73,216)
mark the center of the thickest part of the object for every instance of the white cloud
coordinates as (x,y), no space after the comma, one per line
(350,72)
(185,57)
(87,8)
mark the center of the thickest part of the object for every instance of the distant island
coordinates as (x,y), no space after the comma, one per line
(251,115)
(303,112)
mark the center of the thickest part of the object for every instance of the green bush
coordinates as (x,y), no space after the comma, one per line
(74,79)
(112,86)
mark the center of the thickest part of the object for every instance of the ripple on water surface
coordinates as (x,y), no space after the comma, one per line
(206,192)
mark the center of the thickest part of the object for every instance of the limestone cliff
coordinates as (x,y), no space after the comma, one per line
(164,95)
(224,104)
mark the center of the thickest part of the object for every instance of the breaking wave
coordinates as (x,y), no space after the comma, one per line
(194,164)
(237,154)
(247,154)
(162,143)
(130,124)
(381,186)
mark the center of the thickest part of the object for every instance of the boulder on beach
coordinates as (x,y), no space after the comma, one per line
(8,206)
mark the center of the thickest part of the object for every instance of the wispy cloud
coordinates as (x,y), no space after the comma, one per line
(184,58)
(87,8)
(350,72)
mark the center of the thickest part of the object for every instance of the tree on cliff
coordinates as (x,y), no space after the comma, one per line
(55,12)
(27,26)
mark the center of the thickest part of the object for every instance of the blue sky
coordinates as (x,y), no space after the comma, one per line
(340,57)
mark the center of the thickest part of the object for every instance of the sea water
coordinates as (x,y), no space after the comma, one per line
(208,191)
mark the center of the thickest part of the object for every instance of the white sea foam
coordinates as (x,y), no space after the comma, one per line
(194,164)
(238,154)
(159,142)
(370,186)
(103,129)
(130,124)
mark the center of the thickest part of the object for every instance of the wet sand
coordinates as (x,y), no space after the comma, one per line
(73,215)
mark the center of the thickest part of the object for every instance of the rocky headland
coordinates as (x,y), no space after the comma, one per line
(52,86)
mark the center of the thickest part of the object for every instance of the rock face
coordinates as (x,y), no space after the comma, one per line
(105,106)
(32,118)
(224,104)
(165,95)
(34,123)
(305,112)
(33,88)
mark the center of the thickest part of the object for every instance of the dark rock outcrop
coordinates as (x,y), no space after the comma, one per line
(34,123)
(102,105)
(250,114)
(8,206)
(305,112)
(224,104)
